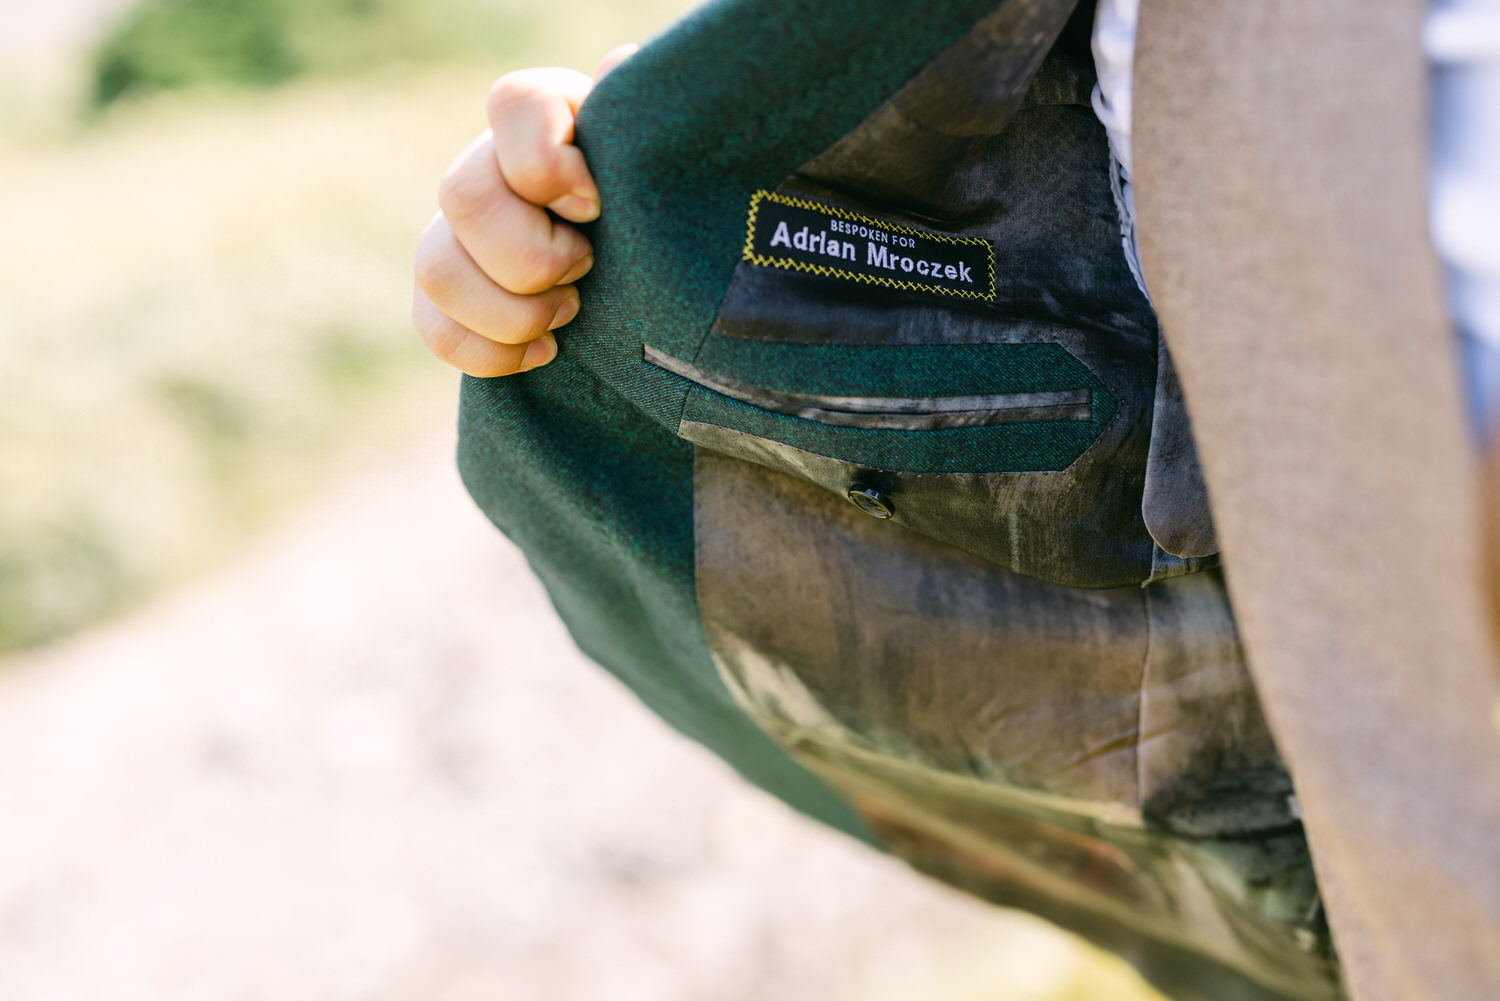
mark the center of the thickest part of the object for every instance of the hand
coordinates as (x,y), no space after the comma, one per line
(495,270)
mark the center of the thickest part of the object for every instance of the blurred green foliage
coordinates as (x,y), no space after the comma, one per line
(177,44)
(207,318)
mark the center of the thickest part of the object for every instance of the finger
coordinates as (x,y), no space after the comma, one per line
(472,353)
(531,114)
(454,283)
(517,244)
(615,57)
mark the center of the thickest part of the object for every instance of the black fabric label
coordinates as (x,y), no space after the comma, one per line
(800,235)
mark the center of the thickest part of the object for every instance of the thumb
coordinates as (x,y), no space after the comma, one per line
(615,57)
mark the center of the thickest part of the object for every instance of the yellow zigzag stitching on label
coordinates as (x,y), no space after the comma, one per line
(828,272)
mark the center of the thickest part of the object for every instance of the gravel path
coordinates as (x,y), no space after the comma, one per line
(365,763)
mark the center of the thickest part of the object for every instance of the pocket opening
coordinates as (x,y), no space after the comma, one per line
(891,413)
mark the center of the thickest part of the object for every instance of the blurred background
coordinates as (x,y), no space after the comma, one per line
(280,715)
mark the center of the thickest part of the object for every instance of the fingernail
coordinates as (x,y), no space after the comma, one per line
(567,312)
(576,207)
(539,352)
(580,269)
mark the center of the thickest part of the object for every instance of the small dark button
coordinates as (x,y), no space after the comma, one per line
(871,501)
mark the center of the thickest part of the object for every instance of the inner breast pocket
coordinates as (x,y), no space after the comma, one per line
(972,383)
(1013,452)
(931,409)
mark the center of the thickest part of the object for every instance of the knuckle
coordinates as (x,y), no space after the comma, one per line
(536,172)
(484,360)
(434,272)
(507,87)
(519,87)
(491,368)
(525,324)
(513,97)
(457,193)
(535,269)
(442,340)
(517,329)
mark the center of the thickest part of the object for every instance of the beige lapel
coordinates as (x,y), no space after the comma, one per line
(1279,166)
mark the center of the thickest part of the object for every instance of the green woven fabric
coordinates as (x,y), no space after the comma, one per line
(680,136)
(919,370)
(897,369)
(578,462)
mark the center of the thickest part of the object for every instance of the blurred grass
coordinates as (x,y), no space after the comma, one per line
(205,308)
(176,44)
